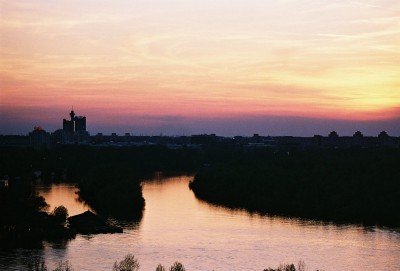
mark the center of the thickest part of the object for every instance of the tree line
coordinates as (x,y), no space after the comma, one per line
(352,185)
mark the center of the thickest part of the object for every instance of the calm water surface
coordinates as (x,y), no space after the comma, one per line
(178,227)
(63,194)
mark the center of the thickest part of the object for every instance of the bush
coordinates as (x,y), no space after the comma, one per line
(37,264)
(60,212)
(127,264)
(63,266)
(301,266)
(284,267)
(177,267)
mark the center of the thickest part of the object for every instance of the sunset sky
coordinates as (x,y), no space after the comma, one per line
(230,67)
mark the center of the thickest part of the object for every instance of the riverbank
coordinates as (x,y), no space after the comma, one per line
(354,185)
(24,221)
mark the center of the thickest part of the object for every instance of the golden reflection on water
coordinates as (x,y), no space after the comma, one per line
(63,194)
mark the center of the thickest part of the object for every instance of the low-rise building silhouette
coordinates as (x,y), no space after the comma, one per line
(39,138)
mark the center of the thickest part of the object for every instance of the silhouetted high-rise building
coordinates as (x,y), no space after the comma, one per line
(74,129)
(68,126)
(75,124)
(80,123)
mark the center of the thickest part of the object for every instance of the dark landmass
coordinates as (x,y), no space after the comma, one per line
(23,220)
(112,183)
(340,185)
(89,223)
(40,139)
(357,185)
(109,179)
(25,223)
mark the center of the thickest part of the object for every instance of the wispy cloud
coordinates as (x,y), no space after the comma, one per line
(212,58)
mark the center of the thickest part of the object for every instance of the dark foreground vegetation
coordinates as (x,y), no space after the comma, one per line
(24,221)
(130,263)
(348,185)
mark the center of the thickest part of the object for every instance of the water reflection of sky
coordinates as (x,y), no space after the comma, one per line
(63,194)
(252,241)
(178,227)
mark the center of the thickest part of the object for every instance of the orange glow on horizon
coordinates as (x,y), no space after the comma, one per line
(303,58)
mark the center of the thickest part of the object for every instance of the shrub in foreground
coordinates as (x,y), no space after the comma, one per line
(127,264)
(63,266)
(130,263)
(301,266)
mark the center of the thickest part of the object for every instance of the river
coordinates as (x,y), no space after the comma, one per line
(178,227)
